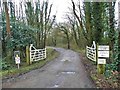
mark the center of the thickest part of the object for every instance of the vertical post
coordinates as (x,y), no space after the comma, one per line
(95,50)
(100,67)
(95,55)
(27,55)
(18,65)
(30,52)
(45,52)
(86,52)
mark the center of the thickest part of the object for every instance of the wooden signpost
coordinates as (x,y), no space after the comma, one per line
(102,55)
(17,58)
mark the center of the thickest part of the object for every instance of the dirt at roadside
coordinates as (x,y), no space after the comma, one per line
(100,80)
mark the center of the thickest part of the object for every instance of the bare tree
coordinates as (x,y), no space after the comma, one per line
(65,28)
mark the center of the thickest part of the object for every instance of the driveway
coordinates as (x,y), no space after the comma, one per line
(66,71)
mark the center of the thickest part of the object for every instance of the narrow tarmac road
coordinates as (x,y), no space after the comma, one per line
(66,71)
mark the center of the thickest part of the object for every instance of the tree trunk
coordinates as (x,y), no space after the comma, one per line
(111,23)
(38,39)
(7,20)
(119,36)
(68,40)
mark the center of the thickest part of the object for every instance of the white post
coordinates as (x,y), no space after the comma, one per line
(94,44)
(45,52)
(30,53)
(18,66)
(95,56)
(87,51)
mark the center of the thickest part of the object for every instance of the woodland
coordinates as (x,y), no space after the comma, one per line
(33,23)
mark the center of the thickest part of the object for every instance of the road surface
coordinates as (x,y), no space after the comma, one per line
(66,71)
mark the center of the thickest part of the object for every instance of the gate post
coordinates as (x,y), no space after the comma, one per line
(97,53)
(27,55)
(45,52)
(100,67)
(87,51)
(30,53)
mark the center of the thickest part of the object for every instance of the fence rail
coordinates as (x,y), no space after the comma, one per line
(37,54)
(91,52)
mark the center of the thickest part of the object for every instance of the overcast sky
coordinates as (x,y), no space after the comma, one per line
(60,7)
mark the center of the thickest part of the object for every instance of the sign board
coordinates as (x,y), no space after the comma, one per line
(103,54)
(17,59)
(103,51)
(101,61)
(103,47)
(16,53)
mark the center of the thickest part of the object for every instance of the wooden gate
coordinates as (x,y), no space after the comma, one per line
(91,52)
(37,54)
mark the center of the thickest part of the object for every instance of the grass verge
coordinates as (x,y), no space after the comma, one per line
(100,80)
(14,72)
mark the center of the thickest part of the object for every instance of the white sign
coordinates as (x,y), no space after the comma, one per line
(103,54)
(101,61)
(103,47)
(17,60)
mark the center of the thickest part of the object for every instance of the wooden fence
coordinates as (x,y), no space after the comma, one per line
(37,54)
